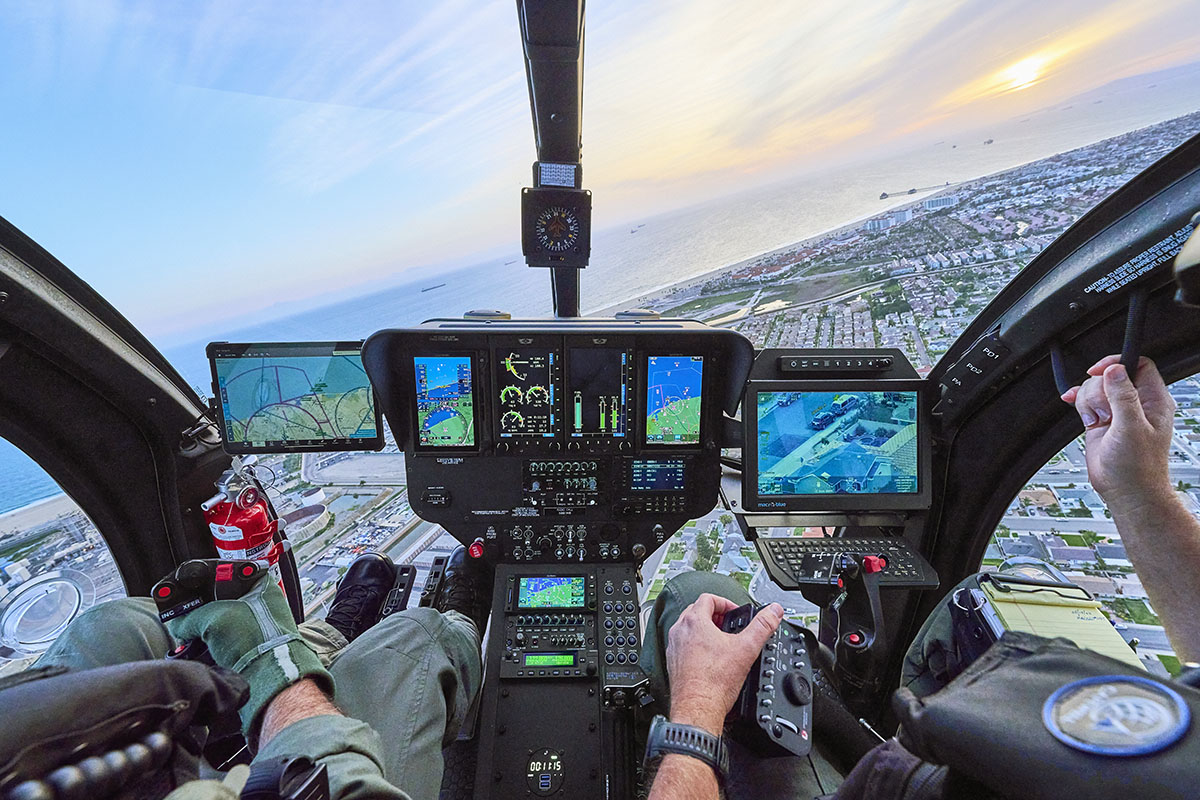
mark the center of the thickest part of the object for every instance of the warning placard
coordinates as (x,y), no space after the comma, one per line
(1158,253)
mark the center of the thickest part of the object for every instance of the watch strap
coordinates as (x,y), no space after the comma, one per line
(687,740)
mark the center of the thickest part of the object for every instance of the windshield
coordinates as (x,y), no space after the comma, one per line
(812,175)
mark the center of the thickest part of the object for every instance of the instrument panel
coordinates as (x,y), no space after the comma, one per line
(562,441)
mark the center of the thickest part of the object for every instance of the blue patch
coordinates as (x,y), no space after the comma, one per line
(1116,715)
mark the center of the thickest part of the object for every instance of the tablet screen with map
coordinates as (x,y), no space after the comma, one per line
(674,388)
(445,401)
(279,397)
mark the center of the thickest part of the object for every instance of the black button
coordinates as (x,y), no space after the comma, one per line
(608,640)
(620,623)
(609,658)
(633,657)
(608,589)
(608,607)
(632,641)
(621,658)
(620,641)
(608,623)
(630,623)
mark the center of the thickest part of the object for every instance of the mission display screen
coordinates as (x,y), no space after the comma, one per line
(823,443)
(527,383)
(598,392)
(445,403)
(294,396)
(674,388)
(551,592)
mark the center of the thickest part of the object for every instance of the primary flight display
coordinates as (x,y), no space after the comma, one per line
(812,443)
(278,397)
(445,403)
(674,388)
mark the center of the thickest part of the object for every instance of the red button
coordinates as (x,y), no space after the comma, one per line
(164,591)
(874,563)
(248,570)
(476,549)
(224,572)
(854,638)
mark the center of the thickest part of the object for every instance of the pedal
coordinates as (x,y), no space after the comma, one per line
(437,571)
(397,599)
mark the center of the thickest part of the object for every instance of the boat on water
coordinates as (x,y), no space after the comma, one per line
(431,288)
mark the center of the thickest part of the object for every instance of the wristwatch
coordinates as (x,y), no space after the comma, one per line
(687,740)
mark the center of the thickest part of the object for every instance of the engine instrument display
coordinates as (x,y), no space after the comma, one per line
(849,442)
(598,392)
(674,390)
(445,403)
(527,382)
(552,592)
(657,475)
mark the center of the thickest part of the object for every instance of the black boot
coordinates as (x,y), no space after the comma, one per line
(466,588)
(361,593)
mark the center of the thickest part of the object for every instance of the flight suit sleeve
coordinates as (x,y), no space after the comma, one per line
(350,750)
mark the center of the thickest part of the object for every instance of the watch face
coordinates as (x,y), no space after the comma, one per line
(557,229)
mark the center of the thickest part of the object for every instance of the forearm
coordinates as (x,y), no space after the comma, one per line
(299,701)
(1163,542)
(684,778)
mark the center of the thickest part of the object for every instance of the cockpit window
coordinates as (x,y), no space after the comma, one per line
(53,562)
(1060,520)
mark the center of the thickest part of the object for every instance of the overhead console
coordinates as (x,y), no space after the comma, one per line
(560,440)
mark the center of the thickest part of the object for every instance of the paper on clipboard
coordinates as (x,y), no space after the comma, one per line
(1034,610)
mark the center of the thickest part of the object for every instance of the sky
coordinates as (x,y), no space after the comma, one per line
(191,158)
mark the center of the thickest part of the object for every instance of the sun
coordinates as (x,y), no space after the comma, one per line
(1023,74)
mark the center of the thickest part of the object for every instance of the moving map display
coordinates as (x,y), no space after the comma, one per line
(674,386)
(294,396)
(551,592)
(598,401)
(527,385)
(812,443)
(445,405)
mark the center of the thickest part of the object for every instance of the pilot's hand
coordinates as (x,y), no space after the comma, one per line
(707,666)
(256,636)
(1128,432)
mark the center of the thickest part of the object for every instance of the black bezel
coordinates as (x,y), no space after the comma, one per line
(514,605)
(479,413)
(216,350)
(643,386)
(894,501)
(533,202)
(594,443)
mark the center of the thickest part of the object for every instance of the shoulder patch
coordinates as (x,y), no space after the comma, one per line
(1116,715)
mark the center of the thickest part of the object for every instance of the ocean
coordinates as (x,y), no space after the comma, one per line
(637,258)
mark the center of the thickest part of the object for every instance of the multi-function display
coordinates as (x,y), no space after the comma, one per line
(674,390)
(598,392)
(857,442)
(445,404)
(657,475)
(527,385)
(551,592)
(281,397)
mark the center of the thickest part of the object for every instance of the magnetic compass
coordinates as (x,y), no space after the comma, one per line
(557,229)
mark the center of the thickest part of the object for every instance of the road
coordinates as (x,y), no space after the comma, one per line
(1100,525)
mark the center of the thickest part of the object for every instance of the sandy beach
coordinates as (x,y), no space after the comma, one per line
(35,514)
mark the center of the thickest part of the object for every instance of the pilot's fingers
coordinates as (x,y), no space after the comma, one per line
(712,606)
(1092,404)
(765,622)
(1157,402)
(1123,397)
(1103,364)
(1069,395)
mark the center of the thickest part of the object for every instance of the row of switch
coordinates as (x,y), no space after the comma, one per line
(627,607)
(620,623)
(551,619)
(620,658)
(621,641)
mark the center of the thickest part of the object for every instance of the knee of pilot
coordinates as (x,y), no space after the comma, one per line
(687,586)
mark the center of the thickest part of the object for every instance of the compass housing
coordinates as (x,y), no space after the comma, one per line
(556,227)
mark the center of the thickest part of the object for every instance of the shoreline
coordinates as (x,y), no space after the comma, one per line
(637,300)
(35,514)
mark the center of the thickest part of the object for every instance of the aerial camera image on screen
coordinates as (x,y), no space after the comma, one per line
(550,592)
(673,394)
(837,443)
(295,399)
(527,393)
(445,407)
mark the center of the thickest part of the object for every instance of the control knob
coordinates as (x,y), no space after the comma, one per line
(797,689)
(544,544)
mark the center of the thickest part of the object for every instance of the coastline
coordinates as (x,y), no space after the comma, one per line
(660,292)
(34,514)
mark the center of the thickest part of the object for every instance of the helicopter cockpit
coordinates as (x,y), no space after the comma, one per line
(565,453)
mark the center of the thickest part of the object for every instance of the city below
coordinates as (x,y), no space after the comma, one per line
(912,278)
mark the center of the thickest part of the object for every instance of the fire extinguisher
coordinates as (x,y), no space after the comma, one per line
(244,527)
